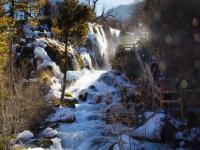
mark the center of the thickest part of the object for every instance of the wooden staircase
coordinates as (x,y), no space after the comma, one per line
(173,101)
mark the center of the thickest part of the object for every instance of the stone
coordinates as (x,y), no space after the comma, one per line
(69,102)
(25,136)
(98,99)
(129,62)
(49,133)
(62,115)
(83,97)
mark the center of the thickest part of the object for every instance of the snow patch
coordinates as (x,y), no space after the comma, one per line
(152,128)
(25,135)
(62,114)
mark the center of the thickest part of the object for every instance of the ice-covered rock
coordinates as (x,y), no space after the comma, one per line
(49,133)
(152,128)
(25,135)
(62,114)
(41,53)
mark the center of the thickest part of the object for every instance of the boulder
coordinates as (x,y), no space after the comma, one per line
(83,96)
(25,136)
(62,115)
(49,133)
(128,62)
(69,102)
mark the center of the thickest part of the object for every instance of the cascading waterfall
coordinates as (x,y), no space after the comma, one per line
(103,45)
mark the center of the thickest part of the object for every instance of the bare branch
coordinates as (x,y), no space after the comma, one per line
(94,4)
(105,15)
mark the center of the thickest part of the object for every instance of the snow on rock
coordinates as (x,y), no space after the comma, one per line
(148,114)
(40,43)
(127,143)
(55,91)
(62,114)
(56,144)
(49,133)
(41,53)
(25,135)
(152,128)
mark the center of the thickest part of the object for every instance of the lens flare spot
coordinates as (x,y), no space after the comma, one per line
(140,25)
(195,22)
(168,39)
(184,84)
(157,16)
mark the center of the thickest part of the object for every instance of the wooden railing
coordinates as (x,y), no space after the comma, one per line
(127,47)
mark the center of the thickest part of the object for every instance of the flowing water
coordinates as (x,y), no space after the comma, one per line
(89,129)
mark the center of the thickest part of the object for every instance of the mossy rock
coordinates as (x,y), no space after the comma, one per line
(68,94)
(45,143)
(69,103)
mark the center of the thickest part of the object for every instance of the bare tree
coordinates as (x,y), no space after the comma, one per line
(104,15)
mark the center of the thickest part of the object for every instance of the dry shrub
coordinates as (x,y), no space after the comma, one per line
(22,110)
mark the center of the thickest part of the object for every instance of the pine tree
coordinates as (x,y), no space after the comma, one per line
(73,22)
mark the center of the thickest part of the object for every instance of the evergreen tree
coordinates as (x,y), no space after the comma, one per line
(7,30)
(73,21)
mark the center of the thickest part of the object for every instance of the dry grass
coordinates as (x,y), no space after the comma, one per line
(21,107)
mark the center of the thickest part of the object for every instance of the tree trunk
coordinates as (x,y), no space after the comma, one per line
(65,71)
(12,11)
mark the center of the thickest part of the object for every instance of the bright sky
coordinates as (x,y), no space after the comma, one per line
(108,4)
